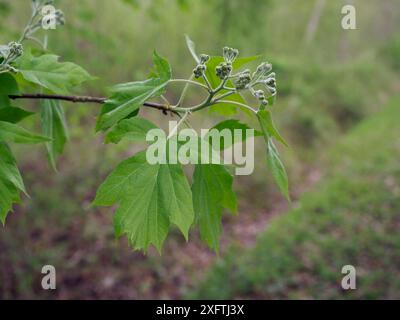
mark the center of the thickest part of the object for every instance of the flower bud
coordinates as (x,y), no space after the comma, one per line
(15,49)
(230,54)
(261,71)
(199,70)
(259,94)
(244,78)
(223,70)
(204,58)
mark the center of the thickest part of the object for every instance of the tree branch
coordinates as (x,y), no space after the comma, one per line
(85,99)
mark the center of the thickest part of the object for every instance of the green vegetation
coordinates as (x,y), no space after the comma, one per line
(352,217)
(328,82)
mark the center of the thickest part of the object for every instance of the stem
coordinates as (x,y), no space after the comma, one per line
(189,82)
(221,86)
(36,40)
(183,94)
(210,89)
(237,103)
(182,120)
(28,26)
(165,100)
(226,94)
(85,99)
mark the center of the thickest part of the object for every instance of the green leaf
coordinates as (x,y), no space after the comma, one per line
(8,85)
(11,182)
(192,48)
(46,71)
(14,114)
(233,125)
(129,97)
(10,132)
(277,169)
(54,126)
(8,168)
(4,101)
(133,129)
(268,127)
(150,198)
(212,192)
(8,195)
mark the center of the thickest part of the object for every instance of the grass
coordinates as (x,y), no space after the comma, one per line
(352,217)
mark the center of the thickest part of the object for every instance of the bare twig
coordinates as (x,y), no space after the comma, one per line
(84,99)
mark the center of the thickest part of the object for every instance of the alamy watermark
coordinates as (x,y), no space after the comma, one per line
(228,147)
(349,20)
(349,280)
(49,280)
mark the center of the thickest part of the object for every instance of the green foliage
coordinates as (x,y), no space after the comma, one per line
(232,125)
(349,218)
(11,183)
(10,132)
(47,72)
(14,114)
(55,127)
(150,197)
(212,192)
(133,129)
(129,97)
(273,159)
(277,169)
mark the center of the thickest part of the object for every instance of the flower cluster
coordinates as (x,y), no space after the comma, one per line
(242,80)
(9,54)
(230,54)
(15,50)
(262,76)
(201,68)
(261,83)
(224,69)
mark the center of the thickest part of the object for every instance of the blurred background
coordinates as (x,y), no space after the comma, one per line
(337,107)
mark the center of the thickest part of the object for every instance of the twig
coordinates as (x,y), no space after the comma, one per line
(84,99)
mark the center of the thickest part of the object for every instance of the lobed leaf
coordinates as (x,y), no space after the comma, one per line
(212,192)
(150,198)
(11,183)
(47,72)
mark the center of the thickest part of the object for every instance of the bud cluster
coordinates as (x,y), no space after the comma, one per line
(243,79)
(9,53)
(201,68)
(15,50)
(223,70)
(230,54)
(262,76)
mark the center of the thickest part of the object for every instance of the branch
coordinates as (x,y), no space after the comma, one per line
(85,99)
